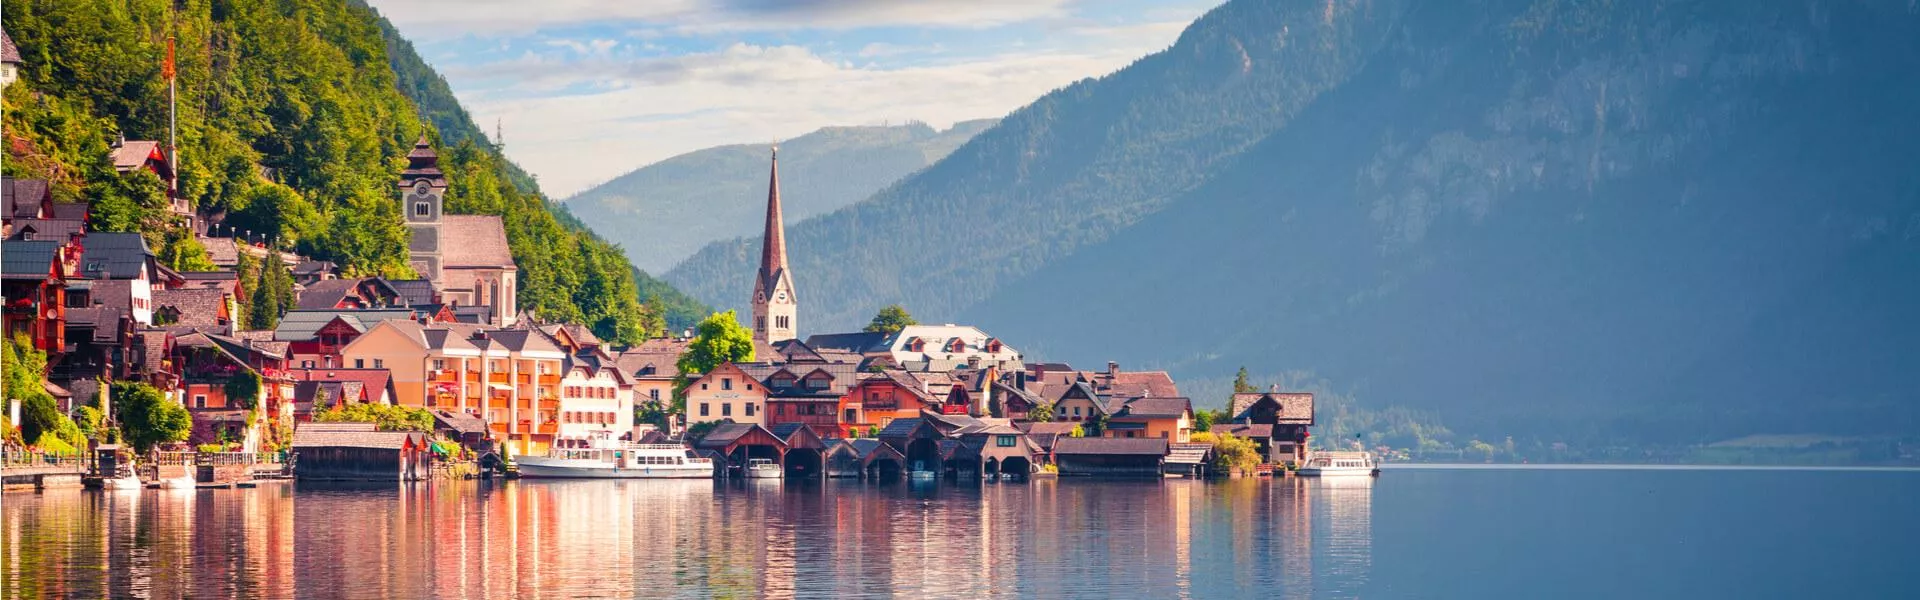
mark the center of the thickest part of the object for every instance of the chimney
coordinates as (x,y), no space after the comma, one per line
(973,362)
(1113,368)
(1273,389)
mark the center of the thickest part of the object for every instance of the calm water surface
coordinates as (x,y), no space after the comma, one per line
(1506,533)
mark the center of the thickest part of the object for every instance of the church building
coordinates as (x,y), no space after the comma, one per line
(465,256)
(775,306)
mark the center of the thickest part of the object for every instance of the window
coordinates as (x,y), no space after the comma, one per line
(379,364)
(760,323)
(703,385)
(439,364)
(780,409)
(782,322)
(703,409)
(199,401)
(306,364)
(653,395)
(749,387)
(359,363)
(749,409)
(726,383)
(1076,411)
(726,409)
(851,416)
(422,209)
(818,383)
(1005,441)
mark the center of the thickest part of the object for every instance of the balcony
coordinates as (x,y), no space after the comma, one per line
(549,380)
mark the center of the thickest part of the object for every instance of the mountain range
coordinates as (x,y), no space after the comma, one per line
(664,212)
(1661,221)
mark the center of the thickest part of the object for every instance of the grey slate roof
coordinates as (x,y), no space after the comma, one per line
(302,325)
(197,307)
(114,256)
(24,197)
(53,230)
(858,342)
(27,259)
(413,292)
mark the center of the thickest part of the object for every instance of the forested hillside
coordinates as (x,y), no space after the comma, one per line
(1594,222)
(292,123)
(664,212)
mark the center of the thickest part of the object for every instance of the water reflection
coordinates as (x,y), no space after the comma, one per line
(1176,538)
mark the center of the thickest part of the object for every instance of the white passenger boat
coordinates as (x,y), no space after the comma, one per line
(760,468)
(1330,464)
(608,459)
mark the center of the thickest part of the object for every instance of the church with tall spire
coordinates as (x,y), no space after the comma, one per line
(775,307)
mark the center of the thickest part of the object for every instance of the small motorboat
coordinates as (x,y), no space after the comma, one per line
(1330,464)
(921,473)
(760,468)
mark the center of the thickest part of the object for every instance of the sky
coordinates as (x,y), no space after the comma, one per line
(587,90)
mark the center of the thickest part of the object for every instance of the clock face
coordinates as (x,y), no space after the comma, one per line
(782,296)
(422,187)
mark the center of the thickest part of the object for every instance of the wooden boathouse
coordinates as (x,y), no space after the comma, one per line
(357,452)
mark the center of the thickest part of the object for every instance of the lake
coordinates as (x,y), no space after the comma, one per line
(1412,533)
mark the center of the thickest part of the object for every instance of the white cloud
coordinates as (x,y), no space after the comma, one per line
(752,94)
(453,18)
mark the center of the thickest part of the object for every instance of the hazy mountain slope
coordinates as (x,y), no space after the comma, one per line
(665,211)
(1645,221)
(1065,171)
(1683,225)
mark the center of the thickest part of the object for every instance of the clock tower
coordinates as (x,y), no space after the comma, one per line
(775,307)
(423,192)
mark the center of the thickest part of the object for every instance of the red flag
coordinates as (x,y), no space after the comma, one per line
(166,70)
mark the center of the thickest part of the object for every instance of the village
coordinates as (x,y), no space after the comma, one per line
(477,385)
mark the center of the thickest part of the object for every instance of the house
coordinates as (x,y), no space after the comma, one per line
(1289,414)
(34,279)
(1110,457)
(596,397)
(816,394)
(469,430)
(25,199)
(727,393)
(99,344)
(349,294)
(204,309)
(9,61)
(881,397)
(653,370)
(925,347)
(56,230)
(316,337)
(308,272)
(322,389)
(122,257)
(356,452)
(152,156)
(510,377)
(1165,418)
(1188,460)
(207,363)
(918,441)
(1079,403)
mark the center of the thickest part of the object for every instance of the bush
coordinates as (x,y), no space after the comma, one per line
(1232,453)
(148,418)
(385,417)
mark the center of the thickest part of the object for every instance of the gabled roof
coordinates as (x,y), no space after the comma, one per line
(312,267)
(28,259)
(651,365)
(473,314)
(523,340)
(1247,430)
(857,342)
(133,153)
(303,325)
(53,230)
(726,434)
(1296,408)
(474,241)
(1155,408)
(9,53)
(1111,446)
(458,422)
(362,435)
(25,197)
(328,293)
(72,210)
(115,256)
(200,307)
(798,435)
(413,292)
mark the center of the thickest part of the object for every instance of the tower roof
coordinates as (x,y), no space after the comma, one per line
(423,162)
(773,248)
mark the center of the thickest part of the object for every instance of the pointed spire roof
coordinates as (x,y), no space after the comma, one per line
(773,244)
(423,162)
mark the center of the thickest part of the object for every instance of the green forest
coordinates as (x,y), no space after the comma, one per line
(292,123)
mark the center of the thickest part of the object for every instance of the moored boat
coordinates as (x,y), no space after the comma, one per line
(760,468)
(1331,464)
(605,459)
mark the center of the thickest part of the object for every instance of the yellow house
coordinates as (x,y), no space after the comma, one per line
(1169,419)
(726,393)
(508,377)
(1079,403)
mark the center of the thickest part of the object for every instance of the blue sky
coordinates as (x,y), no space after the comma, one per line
(589,89)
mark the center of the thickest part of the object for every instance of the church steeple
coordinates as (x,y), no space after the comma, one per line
(774,303)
